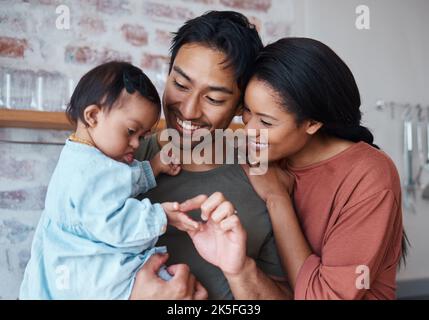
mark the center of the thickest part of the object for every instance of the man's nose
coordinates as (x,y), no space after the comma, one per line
(190,108)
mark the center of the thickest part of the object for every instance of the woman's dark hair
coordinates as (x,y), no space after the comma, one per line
(226,31)
(103,85)
(314,83)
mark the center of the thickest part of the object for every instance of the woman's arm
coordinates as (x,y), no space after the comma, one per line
(275,187)
(359,240)
(291,243)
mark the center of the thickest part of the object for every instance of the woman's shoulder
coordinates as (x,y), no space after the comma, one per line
(369,159)
(372,171)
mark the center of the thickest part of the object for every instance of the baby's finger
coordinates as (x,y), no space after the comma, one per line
(187,221)
(177,170)
(170,206)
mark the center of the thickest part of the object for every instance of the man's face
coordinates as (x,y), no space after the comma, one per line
(200,91)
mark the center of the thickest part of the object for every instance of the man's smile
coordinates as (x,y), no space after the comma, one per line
(186,126)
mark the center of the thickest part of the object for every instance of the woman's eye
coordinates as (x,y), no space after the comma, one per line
(131,132)
(245,109)
(267,124)
(178,85)
(214,101)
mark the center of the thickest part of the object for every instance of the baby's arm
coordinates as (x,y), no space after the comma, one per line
(105,207)
(142,177)
(160,164)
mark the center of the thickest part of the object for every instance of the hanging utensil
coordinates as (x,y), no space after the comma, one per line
(408,161)
(421,144)
(425,191)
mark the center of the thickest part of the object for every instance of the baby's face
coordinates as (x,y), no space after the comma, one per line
(118,131)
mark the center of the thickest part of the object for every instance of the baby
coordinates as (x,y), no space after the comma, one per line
(93,236)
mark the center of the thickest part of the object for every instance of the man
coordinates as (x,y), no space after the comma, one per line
(211,57)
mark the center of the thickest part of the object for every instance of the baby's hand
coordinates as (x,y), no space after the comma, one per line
(159,166)
(179,219)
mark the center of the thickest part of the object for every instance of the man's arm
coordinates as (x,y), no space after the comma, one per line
(222,242)
(253,284)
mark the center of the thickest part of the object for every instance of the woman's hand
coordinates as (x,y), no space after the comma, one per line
(276,181)
(149,286)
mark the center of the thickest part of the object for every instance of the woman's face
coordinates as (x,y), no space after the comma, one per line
(263,110)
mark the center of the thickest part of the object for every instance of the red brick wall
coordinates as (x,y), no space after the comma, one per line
(31,46)
(100,30)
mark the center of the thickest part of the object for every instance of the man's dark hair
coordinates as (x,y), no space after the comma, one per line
(226,31)
(103,86)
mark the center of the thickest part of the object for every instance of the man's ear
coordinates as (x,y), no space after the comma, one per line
(91,115)
(313,126)
(239,110)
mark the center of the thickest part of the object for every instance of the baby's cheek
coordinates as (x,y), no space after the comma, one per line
(113,145)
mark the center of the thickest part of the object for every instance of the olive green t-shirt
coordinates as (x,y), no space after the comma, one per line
(232,181)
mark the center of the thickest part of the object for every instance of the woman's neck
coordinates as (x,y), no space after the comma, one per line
(319,148)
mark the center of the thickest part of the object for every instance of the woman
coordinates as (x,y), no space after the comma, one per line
(334,199)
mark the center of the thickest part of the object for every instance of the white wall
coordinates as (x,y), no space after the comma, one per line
(390,62)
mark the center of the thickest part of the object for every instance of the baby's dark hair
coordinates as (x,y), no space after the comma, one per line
(103,86)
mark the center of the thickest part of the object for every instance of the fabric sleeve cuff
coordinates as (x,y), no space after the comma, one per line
(304,276)
(143,178)
(161,215)
(148,173)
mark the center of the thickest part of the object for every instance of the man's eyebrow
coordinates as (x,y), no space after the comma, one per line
(211,88)
(182,73)
(221,89)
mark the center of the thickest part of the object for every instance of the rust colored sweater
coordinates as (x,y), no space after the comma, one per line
(349,207)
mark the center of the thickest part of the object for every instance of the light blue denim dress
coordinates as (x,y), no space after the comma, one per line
(92,236)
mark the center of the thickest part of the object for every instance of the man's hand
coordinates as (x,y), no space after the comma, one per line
(149,286)
(222,239)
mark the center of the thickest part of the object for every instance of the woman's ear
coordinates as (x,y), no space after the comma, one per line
(313,126)
(91,114)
